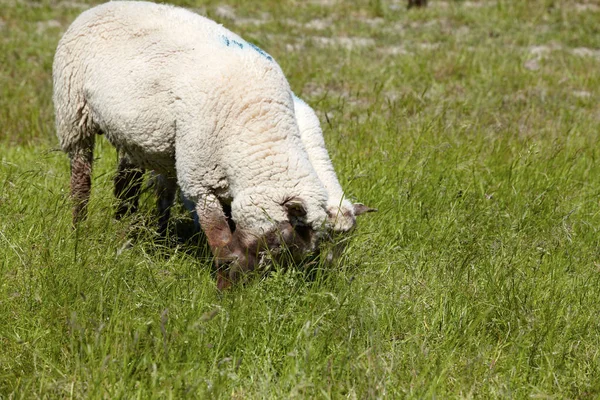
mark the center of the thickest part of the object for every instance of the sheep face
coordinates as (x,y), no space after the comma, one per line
(293,237)
(342,218)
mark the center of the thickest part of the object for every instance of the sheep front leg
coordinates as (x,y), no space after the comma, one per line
(225,245)
(165,191)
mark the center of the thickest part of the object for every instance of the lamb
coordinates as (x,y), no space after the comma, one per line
(340,211)
(179,94)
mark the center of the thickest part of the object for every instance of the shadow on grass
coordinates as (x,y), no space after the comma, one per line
(183,235)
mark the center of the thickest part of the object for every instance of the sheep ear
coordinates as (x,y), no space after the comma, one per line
(360,208)
(295,208)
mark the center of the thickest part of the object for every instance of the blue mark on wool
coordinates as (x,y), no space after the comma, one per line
(231,43)
(260,51)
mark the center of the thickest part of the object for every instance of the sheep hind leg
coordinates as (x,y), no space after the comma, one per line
(166,189)
(82,158)
(128,185)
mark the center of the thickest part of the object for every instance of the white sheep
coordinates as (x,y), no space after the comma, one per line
(181,95)
(341,212)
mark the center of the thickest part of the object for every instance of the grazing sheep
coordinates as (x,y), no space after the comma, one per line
(340,211)
(179,94)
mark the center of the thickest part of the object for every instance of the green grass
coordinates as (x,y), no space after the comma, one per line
(478,278)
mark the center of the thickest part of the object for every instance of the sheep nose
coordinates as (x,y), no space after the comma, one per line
(229,271)
(223,282)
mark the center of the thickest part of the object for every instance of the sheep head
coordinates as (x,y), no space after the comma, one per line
(342,216)
(294,235)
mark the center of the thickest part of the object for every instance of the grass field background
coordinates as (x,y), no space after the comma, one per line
(472,125)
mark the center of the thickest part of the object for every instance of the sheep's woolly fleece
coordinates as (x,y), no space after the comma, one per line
(184,96)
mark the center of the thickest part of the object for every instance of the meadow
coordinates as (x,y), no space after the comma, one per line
(471,125)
